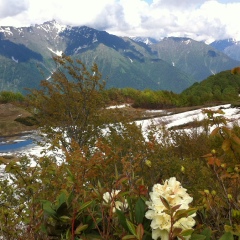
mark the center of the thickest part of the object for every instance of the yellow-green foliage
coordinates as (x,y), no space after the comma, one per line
(9,97)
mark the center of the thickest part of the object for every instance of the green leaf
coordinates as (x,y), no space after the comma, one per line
(122,219)
(180,214)
(131,227)
(65,218)
(81,228)
(226,145)
(70,199)
(207,232)
(10,167)
(198,237)
(186,232)
(227,236)
(165,203)
(61,198)
(47,208)
(184,213)
(130,207)
(71,176)
(128,237)
(62,209)
(140,210)
(191,211)
(85,205)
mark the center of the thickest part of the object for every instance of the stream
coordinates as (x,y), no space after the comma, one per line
(17,143)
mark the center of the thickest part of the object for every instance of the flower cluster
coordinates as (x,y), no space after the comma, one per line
(175,195)
(111,199)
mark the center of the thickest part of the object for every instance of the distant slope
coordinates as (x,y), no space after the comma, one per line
(230,47)
(197,59)
(223,86)
(136,69)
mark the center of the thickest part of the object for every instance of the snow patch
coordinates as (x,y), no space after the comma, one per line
(213,72)
(187,41)
(118,106)
(79,48)
(130,60)
(58,53)
(147,42)
(59,27)
(15,60)
(6,30)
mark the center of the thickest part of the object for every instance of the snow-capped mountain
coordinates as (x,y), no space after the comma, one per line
(146,40)
(26,57)
(230,47)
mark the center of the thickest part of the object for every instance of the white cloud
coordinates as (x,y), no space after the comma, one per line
(12,7)
(198,19)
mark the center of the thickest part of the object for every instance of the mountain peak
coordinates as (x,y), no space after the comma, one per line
(51,25)
(146,40)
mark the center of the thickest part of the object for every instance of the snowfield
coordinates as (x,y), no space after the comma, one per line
(232,114)
(169,120)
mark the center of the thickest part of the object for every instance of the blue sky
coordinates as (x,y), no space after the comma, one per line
(198,19)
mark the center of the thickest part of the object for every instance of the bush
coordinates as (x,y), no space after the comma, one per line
(27,121)
(8,97)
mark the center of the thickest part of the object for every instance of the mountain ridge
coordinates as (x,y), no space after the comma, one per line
(26,57)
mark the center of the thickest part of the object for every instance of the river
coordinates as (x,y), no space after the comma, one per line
(17,143)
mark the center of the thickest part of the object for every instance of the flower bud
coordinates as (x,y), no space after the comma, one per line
(229,196)
(213,192)
(182,169)
(213,151)
(236,169)
(148,163)
(223,165)
(206,191)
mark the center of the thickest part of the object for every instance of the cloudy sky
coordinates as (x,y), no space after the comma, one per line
(197,19)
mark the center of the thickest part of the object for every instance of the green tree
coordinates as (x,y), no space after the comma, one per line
(70,106)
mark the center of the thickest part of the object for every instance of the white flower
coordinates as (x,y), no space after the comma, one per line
(175,194)
(107,197)
(163,234)
(110,198)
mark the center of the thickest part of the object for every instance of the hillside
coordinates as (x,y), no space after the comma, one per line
(230,47)
(195,58)
(10,120)
(223,86)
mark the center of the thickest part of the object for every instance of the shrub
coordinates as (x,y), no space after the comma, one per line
(8,97)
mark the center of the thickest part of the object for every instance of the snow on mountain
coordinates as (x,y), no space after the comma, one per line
(57,52)
(6,31)
(146,40)
(231,47)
